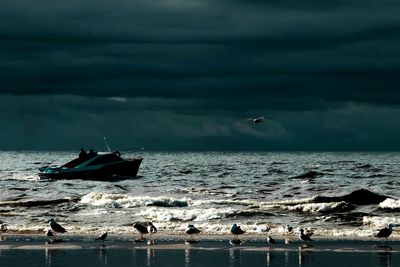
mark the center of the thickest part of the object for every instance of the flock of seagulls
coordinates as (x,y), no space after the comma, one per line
(149,229)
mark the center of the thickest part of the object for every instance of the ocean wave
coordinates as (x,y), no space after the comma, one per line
(35,202)
(390,203)
(322,207)
(172,215)
(126,201)
(309,175)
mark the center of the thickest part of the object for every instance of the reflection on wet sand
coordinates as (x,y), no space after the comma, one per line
(384,254)
(150,261)
(51,256)
(270,257)
(102,256)
(305,254)
(287,258)
(234,257)
(187,257)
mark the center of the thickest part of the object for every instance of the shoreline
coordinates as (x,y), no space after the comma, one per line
(202,238)
(28,250)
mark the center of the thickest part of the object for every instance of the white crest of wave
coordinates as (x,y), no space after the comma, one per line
(264,204)
(390,203)
(318,207)
(124,201)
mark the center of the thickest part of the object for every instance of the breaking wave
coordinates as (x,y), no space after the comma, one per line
(322,207)
(125,201)
(390,203)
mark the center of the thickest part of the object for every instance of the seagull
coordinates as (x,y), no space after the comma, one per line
(304,237)
(3,227)
(56,227)
(256,120)
(309,231)
(49,233)
(289,229)
(191,230)
(151,229)
(270,240)
(141,228)
(236,230)
(385,232)
(102,238)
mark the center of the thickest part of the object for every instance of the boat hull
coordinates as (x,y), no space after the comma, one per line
(124,169)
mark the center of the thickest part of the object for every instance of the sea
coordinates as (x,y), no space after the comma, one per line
(212,190)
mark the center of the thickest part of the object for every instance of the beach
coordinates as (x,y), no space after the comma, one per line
(28,250)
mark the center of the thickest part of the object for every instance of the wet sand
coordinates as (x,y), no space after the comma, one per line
(166,251)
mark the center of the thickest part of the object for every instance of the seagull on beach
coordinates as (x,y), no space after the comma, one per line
(3,227)
(49,233)
(191,230)
(270,240)
(56,227)
(304,236)
(141,228)
(102,238)
(289,229)
(236,230)
(385,232)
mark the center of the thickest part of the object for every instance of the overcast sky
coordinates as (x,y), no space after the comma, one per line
(186,74)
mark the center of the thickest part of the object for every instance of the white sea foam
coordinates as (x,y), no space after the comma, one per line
(378,221)
(390,203)
(125,201)
(193,214)
(320,207)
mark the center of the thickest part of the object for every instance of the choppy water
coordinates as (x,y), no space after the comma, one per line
(210,189)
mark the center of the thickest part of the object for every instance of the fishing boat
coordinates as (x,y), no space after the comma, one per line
(106,166)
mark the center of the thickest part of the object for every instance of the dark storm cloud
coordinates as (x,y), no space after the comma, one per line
(189,70)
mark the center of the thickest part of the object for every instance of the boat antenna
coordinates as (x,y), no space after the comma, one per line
(105,142)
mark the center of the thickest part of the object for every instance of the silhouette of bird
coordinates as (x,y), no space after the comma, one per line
(191,230)
(56,227)
(102,238)
(304,237)
(49,233)
(385,232)
(270,240)
(141,228)
(256,120)
(236,230)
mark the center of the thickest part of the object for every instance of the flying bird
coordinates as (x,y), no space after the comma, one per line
(385,232)
(56,227)
(191,230)
(258,120)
